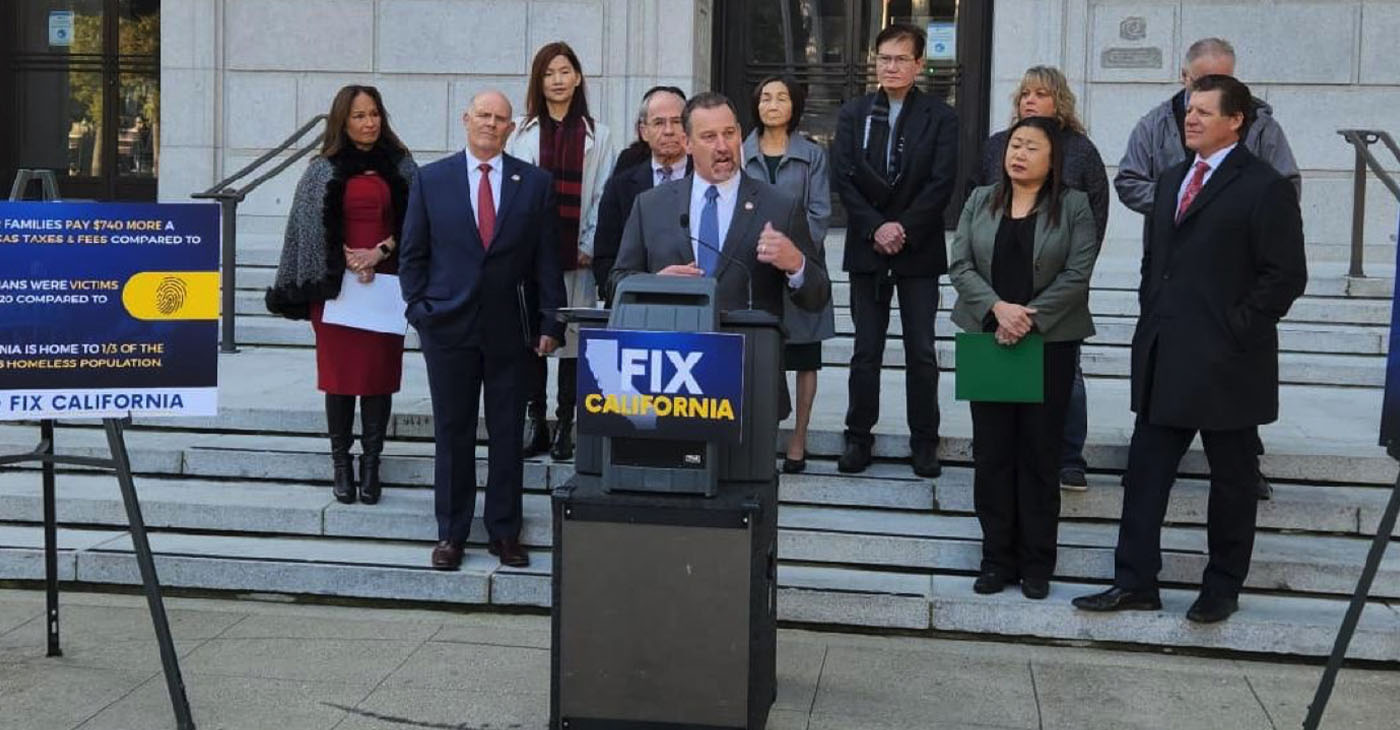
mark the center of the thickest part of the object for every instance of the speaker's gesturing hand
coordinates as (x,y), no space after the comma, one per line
(778,251)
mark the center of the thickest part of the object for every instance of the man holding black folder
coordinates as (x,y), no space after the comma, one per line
(1222,263)
(893,164)
(480,223)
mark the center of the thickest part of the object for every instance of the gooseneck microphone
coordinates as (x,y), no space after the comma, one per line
(748,274)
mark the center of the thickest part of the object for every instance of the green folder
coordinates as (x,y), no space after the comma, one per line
(991,372)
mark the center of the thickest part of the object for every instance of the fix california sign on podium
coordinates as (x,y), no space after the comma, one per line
(108,309)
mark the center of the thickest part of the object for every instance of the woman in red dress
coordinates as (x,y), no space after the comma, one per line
(344,224)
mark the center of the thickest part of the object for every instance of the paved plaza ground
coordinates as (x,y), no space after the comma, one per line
(263,664)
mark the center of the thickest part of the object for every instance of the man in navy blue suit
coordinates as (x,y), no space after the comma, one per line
(480,224)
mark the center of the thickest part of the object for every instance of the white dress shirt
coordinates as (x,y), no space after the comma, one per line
(724,207)
(474,179)
(1212,162)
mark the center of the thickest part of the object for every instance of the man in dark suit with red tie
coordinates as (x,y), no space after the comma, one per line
(479,225)
(1223,262)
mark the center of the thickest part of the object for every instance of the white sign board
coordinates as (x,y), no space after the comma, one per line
(60,27)
(942,42)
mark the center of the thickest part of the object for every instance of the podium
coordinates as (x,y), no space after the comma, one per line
(665,539)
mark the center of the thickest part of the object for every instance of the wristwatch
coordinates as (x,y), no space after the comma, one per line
(384,249)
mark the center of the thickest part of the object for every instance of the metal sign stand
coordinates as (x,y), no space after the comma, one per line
(1358,602)
(119,462)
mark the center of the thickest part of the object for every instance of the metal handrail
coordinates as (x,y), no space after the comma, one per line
(229,197)
(1361,141)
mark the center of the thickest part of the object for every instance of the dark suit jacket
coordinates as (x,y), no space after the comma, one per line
(1213,290)
(619,193)
(654,239)
(461,293)
(928,166)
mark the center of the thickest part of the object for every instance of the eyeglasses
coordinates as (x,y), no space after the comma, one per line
(662,122)
(883,60)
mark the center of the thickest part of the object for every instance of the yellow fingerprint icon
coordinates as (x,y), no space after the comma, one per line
(172,295)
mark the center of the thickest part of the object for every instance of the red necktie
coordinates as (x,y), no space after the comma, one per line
(485,207)
(1192,189)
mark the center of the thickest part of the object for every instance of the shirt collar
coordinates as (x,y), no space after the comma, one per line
(496,162)
(1214,160)
(727,189)
(677,168)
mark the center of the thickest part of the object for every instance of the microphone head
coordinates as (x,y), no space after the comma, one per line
(685,220)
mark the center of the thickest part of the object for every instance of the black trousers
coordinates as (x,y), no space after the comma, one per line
(1153,457)
(870,308)
(1016,472)
(538,382)
(457,377)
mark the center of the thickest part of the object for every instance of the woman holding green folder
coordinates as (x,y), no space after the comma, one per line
(1021,261)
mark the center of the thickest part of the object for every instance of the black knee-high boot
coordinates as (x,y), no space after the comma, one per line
(374,422)
(340,422)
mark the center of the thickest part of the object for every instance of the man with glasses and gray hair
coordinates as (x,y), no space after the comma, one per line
(1158,143)
(659,123)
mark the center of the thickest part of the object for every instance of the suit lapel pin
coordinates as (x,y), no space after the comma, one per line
(515,178)
(748,205)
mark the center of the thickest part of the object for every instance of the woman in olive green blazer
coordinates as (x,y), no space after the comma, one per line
(1021,262)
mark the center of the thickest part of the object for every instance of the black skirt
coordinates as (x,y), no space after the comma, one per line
(802,356)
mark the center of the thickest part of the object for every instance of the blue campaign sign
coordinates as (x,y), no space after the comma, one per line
(1390,409)
(665,385)
(108,309)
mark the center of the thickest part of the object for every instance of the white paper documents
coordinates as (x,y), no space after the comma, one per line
(377,306)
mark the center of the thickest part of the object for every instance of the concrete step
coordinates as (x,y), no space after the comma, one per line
(1289,625)
(1097,360)
(1117,267)
(857,536)
(302,457)
(1112,330)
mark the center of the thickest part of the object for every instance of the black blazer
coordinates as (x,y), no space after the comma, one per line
(460,293)
(1213,290)
(619,193)
(928,166)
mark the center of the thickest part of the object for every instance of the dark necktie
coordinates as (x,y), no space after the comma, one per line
(1192,189)
(665,171)
(485,207)
(706,257)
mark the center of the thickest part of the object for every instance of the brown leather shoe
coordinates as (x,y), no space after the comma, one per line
(447,556)
(511,552)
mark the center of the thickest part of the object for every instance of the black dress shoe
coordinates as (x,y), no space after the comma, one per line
(794,466)
(1035,588)
(925,460)
(536,437)
(1264,488)
(447,556)
(989,582)
(854,459)
(1211,608)
(510,551)
(1118,599)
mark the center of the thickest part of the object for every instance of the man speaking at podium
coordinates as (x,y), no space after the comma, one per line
(717,222)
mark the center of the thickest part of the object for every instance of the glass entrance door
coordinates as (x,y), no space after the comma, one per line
(82,78)
(829,46)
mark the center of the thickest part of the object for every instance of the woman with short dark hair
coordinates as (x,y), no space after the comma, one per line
(346,216)
(775,153)
(1021,262)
